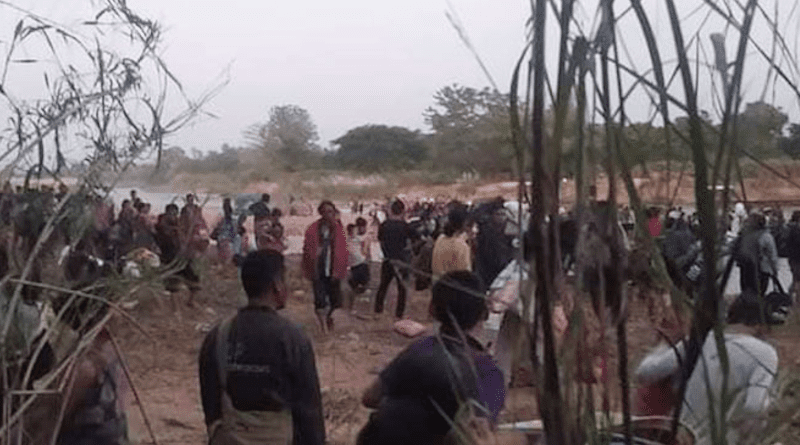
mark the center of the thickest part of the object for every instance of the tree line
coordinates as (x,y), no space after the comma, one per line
(469,129)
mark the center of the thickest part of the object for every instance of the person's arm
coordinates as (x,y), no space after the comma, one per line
(371,397)
(309,425)
(210,390)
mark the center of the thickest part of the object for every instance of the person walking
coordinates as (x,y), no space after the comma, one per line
(394,235)
(325,262)
(258,377)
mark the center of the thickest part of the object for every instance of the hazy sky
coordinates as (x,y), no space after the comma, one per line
(358,62)
(348,62)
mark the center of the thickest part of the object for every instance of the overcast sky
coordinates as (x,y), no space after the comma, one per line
(357,62)
(348,62)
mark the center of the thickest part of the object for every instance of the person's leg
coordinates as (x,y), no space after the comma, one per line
(401,296)
(763,282)
(320,302)
(335,298)
(748,276)
(386,278)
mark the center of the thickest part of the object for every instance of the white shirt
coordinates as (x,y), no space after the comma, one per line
(753,367)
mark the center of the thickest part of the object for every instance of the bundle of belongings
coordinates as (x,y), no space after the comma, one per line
(750,309)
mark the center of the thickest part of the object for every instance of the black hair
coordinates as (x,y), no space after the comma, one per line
(277,213)
(361,222)
(457,297)
(350,228)
(455,220)
(397,207)
(171,206)
(261,271)
(265,197)
(323,204)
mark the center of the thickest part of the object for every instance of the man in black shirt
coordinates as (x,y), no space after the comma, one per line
(394,235)
(265,389)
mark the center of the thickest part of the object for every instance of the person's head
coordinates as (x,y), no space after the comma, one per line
(276,213)
(397,207)
(265,198)
(361,225)
(351,229)
(498,214)
(189,199)
(226,206)
(327,210)
(795,216)
(126,203)
(171,209)
(455,220)
(262,278)
(457,301)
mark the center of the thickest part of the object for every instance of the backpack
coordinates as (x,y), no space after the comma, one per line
(244,427)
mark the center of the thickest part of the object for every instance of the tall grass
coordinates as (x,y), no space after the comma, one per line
(594,64)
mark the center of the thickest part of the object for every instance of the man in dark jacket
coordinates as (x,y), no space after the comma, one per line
(394,235)
(258,378)
(494,249)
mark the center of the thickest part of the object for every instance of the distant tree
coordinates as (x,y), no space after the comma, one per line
(760,128)
(288,138)
(791,144)
(379,147)
(471,129)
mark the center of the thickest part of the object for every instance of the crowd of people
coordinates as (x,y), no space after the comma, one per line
(258,375)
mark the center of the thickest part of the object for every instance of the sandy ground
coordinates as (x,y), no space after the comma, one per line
(164,363)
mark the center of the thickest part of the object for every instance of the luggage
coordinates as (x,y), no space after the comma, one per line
(774,309)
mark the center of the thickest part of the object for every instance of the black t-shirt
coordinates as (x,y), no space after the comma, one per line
(271,367)
(429,373)
(394,235)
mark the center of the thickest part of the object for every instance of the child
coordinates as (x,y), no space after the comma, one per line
(359,254)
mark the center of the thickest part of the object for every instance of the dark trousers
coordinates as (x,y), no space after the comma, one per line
(752,279)
(327,293)
(389,272)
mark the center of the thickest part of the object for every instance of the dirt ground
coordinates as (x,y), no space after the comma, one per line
(164,362)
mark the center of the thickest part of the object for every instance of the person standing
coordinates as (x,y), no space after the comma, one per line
(756,255)
(394,235)
(451,251)
(225,233)
(325,262)
(258,377)
(359,256)
(793,253)
(493,247)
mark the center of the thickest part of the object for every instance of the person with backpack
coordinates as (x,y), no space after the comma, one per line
(438,379)
(258,377)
